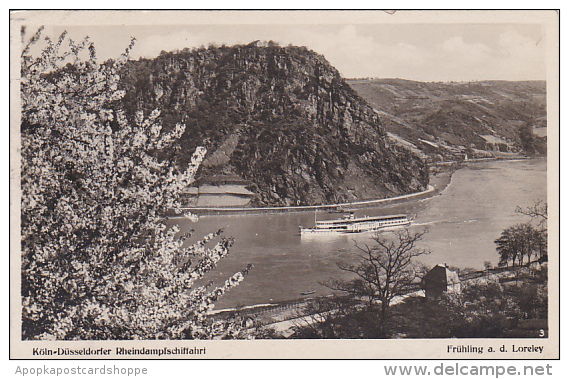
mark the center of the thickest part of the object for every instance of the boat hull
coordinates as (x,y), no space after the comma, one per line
(357,230)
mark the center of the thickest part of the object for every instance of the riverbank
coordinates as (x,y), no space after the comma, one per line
(326,207)
(438,180)
(285,316)
(440,177)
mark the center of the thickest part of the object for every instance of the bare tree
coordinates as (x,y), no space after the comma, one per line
(537,212)
(385,270)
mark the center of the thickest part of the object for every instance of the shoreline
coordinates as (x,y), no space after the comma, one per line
(275,313)
(438,181)
(202,211)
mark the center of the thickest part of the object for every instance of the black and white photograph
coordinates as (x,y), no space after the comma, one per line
(230,184)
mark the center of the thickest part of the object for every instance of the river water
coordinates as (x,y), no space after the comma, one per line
(462,223)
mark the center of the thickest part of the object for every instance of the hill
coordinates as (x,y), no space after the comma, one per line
(280,118)
(448,119)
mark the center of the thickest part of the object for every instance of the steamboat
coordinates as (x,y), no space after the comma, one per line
(351,224)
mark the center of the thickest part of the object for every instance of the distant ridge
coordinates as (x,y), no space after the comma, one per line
(456,118)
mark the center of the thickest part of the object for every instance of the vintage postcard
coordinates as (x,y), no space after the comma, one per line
(284,184)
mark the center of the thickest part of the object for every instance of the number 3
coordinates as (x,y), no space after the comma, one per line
(541,333)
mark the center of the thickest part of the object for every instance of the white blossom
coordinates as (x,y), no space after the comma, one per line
(98,260)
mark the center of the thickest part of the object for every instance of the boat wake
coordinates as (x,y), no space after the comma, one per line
(429,222)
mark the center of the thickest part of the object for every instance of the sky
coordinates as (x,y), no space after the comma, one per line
(415,51)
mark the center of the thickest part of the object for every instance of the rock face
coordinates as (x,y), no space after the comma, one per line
(279,117)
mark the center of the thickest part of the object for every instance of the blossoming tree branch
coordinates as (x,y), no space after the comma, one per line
(98,258)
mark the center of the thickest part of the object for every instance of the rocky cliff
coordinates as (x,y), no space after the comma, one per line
(280,117)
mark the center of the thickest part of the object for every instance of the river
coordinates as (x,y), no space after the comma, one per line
(462,223)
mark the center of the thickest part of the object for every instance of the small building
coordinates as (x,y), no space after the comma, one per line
(440,280)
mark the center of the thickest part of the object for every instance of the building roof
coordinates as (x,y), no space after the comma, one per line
(440,274)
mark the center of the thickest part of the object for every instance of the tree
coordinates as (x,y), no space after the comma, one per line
(99,260)
(525,239)
(527,138)
(520,241)
(531,143)
(537,212)
(384,271)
